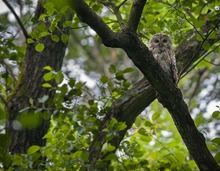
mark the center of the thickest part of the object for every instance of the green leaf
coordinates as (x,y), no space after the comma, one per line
(138,121)
(111,157)
(206,45)
(148,123)
(72,82)
(30,120)
(174,27)
(43,99)
(216,114)
(155,116)
(31,101)
(47,85)
(126,84)
(55,38)
(59,77)
(96,8)
(76,92)
(91,102)
(112,69)
(120,126)
(64,9)
(216,140)
(48,76)
(29,40)
(42,16)
(50,8)
(64,38)
(67,24)
(48,68)
(49,135)
(142,131)
(33,149)
(217,157)
(108,147)
(104,79)
(44,33)
(127,70)
(39,47)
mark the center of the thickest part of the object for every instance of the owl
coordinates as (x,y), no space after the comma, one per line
(161,47)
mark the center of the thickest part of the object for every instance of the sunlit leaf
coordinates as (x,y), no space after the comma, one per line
(33,149)
(55,38)
(48,76)
(155,116)
(39,47)
(47,85)
(64,38)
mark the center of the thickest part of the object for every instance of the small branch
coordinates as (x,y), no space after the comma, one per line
(135,15)
(216,25)
(189,22)
(87,15)
(115,11)
(17,18)
(199,61)
(206,38)
(211,62)
(119,6)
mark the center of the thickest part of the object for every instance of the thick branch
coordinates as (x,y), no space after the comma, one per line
(168,92)
(135,15)
(86,15)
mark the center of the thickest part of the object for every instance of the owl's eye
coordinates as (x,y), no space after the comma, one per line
(156,41)
(164,40)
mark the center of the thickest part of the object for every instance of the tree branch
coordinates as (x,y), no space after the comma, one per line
(115,10)
(169,94)
(17,18)
(135,15)
(86,15)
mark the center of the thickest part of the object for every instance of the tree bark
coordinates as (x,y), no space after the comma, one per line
(169,95)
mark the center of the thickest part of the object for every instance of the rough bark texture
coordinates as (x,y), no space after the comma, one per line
(169,95)
(30,86)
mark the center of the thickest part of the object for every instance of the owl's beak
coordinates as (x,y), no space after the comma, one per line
(160,44)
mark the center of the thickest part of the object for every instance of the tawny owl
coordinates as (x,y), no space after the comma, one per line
(161,47)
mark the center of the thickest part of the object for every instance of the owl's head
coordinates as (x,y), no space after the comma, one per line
(160,40)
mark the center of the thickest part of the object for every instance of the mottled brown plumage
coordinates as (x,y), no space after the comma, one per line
(161,47)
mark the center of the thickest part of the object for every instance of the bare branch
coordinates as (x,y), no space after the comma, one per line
(17,18)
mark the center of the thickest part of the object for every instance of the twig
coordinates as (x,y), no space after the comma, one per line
(17,18)
(115,10)
(211,62)
(200,47)
(189,22)
(199,61)
(119,6)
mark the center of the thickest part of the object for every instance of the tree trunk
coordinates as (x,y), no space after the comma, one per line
(30,86)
